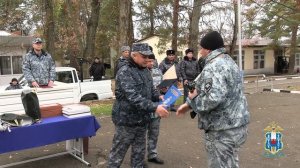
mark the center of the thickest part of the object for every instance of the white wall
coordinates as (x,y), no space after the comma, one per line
(10,51)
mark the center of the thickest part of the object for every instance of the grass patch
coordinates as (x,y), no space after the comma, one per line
(101,109)
(293,88)
(179,101)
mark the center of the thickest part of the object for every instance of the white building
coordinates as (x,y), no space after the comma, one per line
(12,50)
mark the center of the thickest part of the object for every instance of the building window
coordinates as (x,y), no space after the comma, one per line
(5,65)
(10,65)
(259,59)
(236,55)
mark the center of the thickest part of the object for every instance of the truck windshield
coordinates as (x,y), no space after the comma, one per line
(64,76)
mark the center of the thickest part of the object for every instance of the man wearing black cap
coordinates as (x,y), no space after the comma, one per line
(14,84)
(189,70)
(136,100)
(38,66)
(219,100)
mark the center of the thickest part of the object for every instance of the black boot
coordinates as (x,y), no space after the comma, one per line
(156,160)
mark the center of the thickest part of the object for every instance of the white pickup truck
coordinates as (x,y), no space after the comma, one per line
(67,89)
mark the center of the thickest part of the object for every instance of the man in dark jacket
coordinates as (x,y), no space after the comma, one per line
(97,70)
(125,50)
(189,69)
(166,64)
(136,100)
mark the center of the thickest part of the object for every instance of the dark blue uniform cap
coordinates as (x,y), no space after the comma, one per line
(142,48)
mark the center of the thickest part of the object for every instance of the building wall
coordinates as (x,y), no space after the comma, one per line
(249,61)
(10,51)
(153,42)
(248,58)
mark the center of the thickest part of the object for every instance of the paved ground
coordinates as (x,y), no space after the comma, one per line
(181,143)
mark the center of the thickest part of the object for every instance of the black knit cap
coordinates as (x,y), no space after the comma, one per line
(189,50)
(212,41)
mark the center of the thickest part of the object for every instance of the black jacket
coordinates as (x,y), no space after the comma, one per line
(189,69)
(166,64)
(97,70)
(136,97)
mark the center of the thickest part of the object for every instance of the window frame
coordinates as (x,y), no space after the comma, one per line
(259,59)
(235,58)
(11,58)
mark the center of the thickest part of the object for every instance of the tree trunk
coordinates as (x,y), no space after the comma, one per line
(151,15)
(175,24)
(124,22)
(235,29)
(294,29)
(130,31)
(293,48)
(50,29)
(89,50)
(194,26)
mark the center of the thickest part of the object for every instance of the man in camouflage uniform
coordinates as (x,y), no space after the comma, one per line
(219,100)
(153,126)
(125,50)
(136,99)
(38,66)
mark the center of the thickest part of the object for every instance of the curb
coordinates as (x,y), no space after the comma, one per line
(280,91)
(275,79)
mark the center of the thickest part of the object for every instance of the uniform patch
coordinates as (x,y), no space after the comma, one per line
(208,85)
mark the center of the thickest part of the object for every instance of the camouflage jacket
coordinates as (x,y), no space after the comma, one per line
(136,97)
(157,76)
(38,68)
(119,63)
(220,103)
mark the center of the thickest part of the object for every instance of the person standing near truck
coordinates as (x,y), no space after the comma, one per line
(14,84)
(38,66)
(97,70)
(121,61)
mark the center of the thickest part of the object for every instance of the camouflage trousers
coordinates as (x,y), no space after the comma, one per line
(152,137)
(124,138)
(222,147)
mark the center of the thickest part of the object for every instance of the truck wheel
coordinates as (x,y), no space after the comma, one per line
(88,97)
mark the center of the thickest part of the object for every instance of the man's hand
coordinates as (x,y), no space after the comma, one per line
(35,84)
(161,97)
(183,109)
(193,94)
(50,84)
(161,111)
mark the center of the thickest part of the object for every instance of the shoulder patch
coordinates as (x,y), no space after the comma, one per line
(208,85)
